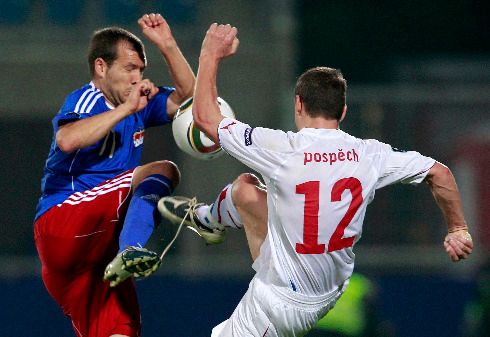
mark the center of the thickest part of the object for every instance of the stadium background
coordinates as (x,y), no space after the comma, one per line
(419,78)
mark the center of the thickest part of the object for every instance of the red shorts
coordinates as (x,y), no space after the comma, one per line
(75,241)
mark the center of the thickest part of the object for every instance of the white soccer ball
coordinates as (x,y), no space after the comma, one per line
(189,138)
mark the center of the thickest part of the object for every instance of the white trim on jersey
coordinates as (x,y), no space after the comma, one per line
(95,99)
(102,148)
(97,190)
(72,162)
(81,99)
(113,147)
(88,99)
(89,102)
(112,185)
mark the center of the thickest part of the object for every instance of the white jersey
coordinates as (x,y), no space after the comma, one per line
(319,183)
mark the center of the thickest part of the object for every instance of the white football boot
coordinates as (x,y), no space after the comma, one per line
(179,209)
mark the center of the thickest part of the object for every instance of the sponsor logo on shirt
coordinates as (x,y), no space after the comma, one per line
(138,138)
(248,136)
(330,157)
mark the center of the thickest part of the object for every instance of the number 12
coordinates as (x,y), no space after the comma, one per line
(311,190)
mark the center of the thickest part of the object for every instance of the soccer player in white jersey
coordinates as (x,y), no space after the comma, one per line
(303,224)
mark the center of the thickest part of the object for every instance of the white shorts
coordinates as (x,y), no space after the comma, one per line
(264,311)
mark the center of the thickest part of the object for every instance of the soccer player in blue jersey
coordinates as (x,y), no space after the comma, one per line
(97,209)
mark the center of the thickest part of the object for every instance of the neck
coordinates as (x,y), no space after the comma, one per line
(320,123)
(109,99)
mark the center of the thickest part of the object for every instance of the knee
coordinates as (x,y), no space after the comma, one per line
(170,170)
(247,189)
(164,167)
(248,179)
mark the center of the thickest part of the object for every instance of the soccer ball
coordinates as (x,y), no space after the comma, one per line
(189,138)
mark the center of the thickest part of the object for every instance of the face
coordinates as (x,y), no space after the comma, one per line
(117,79)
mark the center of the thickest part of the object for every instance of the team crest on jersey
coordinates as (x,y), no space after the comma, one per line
(138,137)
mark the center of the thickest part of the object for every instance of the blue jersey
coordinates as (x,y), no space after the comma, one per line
(120,150)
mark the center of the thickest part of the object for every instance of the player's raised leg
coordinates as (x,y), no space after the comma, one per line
(250,199)
(150,183)
(178,209)
(241,204)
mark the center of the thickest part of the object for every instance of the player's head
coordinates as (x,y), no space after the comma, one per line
(322,91)
(116,59)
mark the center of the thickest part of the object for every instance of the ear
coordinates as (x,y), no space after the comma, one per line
(344,111)
(100,67)
(298,105)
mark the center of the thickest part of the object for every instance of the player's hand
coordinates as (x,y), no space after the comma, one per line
(220,41)
(157,30)
(458,244)
(140,94)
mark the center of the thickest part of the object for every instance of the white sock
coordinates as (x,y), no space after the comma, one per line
(222,210)
(204,215)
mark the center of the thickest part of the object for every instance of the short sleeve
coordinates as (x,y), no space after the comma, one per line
(407,167)
(79,105)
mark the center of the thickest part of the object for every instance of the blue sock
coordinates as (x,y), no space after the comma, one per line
(142,216)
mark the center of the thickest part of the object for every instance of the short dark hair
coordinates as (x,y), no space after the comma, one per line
(104,44)
(323,92)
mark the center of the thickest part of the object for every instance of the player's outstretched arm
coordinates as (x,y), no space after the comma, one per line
(156,29)
(458,242)
(220,42)
(88,131)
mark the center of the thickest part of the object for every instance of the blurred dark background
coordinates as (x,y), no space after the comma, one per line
(419,79)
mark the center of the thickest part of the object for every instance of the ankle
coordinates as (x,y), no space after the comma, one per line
(203,213)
